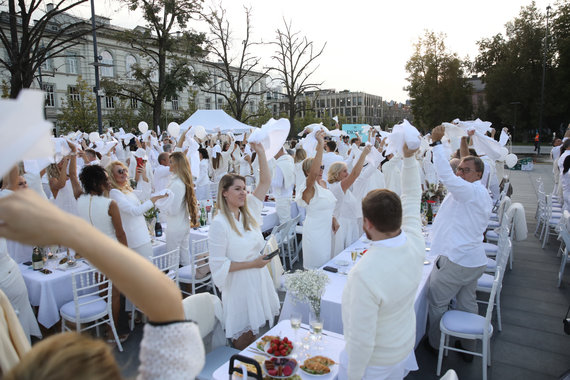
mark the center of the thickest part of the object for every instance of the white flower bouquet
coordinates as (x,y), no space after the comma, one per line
(307,286)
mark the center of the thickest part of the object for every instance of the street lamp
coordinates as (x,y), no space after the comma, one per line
(515,121)
(543,72)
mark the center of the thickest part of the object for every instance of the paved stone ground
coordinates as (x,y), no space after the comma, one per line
(532,344)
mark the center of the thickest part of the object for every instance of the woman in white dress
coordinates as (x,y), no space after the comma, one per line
(65,188)
(238,268)
(203,182)
(347,210)
(103,213)
(11,280)
(319,203)
(182,210)
(131,207)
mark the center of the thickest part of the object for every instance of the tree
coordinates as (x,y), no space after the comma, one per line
(31,37)
(168,69)
(262,116)
(123,115)
(241,73)
(295,63)
(437,85)
(78,111)
(511,67)
(185,113)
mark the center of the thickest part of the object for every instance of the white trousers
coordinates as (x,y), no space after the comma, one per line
(283,208)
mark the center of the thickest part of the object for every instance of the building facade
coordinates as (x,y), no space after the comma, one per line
(58,76)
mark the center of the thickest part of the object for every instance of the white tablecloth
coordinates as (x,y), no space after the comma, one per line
(331,343)
(50,291)
(331,300)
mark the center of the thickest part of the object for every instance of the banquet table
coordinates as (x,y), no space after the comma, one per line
(332,344)
(331,299)
(51,291)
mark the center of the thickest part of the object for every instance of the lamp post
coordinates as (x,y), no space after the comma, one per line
(96,65)
(515,121)
(543,73)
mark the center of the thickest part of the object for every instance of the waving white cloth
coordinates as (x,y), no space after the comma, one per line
(193,154)
(504,138)
(216,150)
(403,133)
(309,143)
(479,125)
(485,145)
(165,203)
(454,133)
(272,136)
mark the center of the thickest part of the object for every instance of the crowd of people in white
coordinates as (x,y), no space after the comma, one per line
(112,180)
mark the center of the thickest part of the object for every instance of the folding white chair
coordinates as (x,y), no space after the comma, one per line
(291,241)
(281,233)
(197,274)
(551,222)
(168,263)
(91,305)
(462,324)
(485,282)
(206,310)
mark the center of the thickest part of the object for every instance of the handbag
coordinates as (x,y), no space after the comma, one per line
(566,322)
(274,265)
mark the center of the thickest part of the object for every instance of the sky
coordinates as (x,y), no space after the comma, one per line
(367,41)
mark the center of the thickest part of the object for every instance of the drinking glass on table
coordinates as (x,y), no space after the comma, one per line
(316,324)
(296,325)
(353,256)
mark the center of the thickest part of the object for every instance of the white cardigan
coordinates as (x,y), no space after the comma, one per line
(378,300)
(132,216)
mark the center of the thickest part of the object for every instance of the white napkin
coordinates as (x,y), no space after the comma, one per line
(454,133)
(485,145)
(403,133)
(216,150)
(272,136)
(479,125)
(25,133)
(504,138)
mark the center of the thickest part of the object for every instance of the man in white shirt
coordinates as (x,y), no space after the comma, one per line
(457,237)
(378,300)
(162,172)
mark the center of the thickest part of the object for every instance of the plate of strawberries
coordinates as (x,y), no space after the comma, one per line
(278,348)
(280,368)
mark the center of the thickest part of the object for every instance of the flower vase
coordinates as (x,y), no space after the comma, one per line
(150,225)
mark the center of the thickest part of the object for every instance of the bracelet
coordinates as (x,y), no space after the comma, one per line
(435,143)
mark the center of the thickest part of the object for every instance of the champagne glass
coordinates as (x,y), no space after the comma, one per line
(316,324)
(295,325)
(353,255)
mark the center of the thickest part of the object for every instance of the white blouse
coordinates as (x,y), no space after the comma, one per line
(95,210)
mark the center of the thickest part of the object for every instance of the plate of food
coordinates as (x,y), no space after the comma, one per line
(278,348)
(264,340)
(280,368)
(317,366)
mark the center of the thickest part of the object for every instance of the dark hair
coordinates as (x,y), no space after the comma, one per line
(565,146)
(163,157)
(472,152)
(93,153)
(383,209)
(353,140)
(331,145)
(479,165)
(93,178)
(204,153)
(566,164)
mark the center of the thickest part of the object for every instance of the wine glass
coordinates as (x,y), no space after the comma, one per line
(316,324)
(296,325)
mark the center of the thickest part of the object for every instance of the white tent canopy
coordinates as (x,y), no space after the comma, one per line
(214,121)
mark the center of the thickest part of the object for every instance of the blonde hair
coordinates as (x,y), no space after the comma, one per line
(307,166)
(300,155)
(126,188)
(334,171)
(184,172)
(248,220)
(53,171)
(65,356)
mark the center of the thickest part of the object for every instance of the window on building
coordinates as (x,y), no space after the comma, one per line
(347,111)
(47,65)
(107,61)
(72,63)
(109,102)
(130,60)
(360,100)
(252,107)
(50,96)
(73,94)
(208,103)
(134,103)
(175,103)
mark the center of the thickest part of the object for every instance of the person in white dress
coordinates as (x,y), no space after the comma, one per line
(238,269)
(11,280)
(103,213)
(182,211)
(65,188)
(131,207)
(203,182)
(319,203)
(347,210)
(171,347)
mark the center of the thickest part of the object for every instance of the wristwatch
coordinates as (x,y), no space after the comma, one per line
(435,143)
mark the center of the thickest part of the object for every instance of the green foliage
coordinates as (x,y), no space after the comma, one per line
(122,116)
(262,116)
(437,85)
(511,65)
(79,114)
(5,89)
(166,54)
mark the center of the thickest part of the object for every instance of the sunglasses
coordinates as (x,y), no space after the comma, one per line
(121,171)
(322,167)
(463,170)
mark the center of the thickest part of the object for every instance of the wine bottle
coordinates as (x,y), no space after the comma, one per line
(429,213)
(37,259)
(157,229)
